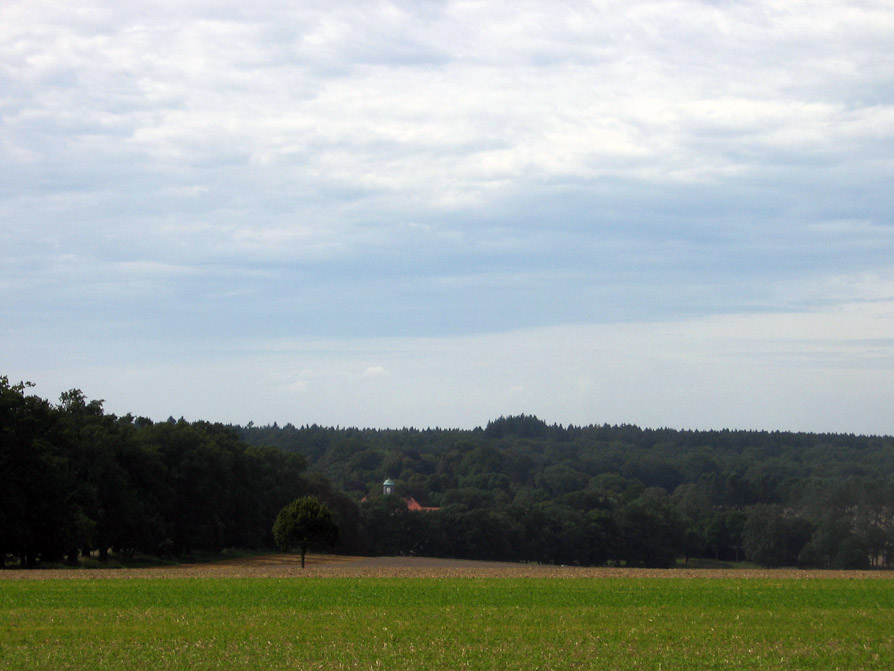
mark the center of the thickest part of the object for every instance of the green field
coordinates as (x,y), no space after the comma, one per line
(446,623)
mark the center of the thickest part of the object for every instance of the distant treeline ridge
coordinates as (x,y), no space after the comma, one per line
(80,482)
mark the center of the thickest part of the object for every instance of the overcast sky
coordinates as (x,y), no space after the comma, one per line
(671,213)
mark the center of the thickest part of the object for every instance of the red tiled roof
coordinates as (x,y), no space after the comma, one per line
(413,504)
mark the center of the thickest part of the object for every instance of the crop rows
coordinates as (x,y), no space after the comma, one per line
(457,623)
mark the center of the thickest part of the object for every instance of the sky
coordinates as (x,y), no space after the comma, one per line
(672,213)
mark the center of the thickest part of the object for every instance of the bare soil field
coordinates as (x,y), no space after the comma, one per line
(332,566)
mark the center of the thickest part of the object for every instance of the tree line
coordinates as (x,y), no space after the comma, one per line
(77,481)
(522,490)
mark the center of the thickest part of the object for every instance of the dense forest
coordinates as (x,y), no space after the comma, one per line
(78,481)
(520,489)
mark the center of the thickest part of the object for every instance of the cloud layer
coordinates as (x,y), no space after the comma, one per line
(200,177)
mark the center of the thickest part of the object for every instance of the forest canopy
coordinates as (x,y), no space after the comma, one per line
(79,482)
(524,490)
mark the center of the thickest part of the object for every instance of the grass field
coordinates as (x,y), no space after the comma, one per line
(446,623)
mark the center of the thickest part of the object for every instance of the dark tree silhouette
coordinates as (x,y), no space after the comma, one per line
(303,523)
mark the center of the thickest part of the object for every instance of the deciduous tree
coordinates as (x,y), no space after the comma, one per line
(303,523)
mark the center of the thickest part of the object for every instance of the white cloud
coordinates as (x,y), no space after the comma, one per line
(514,94)
(198,170)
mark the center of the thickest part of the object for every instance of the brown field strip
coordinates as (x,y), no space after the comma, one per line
(323,566)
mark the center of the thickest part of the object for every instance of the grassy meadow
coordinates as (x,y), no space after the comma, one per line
(446,623)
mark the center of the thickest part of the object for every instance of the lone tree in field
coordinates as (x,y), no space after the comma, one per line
(302,523)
